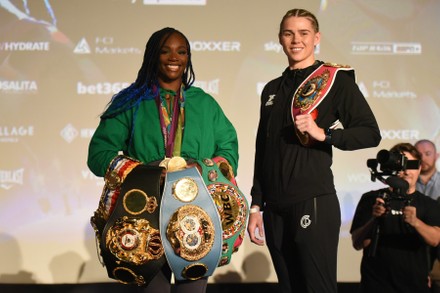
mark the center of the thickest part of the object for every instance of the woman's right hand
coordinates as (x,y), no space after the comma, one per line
(255,228)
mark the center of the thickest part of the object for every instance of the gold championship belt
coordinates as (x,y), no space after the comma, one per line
(312,92)
(126,222)
(231,204)
(190,226)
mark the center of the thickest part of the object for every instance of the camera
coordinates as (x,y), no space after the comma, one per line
(390,164)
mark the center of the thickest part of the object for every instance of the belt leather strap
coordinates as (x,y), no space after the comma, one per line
(129,239)
(312,92)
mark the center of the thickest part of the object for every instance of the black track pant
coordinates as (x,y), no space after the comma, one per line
(303,242)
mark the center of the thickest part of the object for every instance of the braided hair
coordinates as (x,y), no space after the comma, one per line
(146,86)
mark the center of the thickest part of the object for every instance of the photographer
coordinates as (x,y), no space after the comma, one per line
(394,226)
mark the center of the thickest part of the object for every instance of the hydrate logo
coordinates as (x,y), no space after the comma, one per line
(24,46)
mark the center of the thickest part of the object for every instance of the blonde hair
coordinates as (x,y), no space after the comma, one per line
(298,12)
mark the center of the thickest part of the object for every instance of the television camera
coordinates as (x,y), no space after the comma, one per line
(390,164)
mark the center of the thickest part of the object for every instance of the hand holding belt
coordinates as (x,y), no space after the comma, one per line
(190,226)
(231,204)
(312,92)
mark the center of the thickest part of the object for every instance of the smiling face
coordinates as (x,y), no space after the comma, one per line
(173,60)
(298,39)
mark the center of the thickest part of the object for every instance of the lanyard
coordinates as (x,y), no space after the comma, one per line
(169,120)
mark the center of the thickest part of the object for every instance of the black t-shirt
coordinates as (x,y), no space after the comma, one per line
(400,263)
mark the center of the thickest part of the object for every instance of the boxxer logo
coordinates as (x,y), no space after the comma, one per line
(221,46)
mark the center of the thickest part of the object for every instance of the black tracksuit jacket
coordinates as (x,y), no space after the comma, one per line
(288,172)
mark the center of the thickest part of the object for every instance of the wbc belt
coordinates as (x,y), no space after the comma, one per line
(231,205)
(190,226)
(126,222)
(312,92)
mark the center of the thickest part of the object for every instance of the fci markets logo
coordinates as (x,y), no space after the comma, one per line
(103,45)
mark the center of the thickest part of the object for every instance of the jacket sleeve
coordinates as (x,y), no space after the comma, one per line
(108,140)
(361,129)
(226,141)
(256,190)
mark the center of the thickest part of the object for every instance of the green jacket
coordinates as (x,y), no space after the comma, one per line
(208,133)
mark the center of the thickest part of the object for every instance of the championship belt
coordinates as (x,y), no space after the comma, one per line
(126,222)
(231,205)
(312,92)
(190,226)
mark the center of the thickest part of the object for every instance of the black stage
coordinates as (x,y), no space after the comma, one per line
(120,288)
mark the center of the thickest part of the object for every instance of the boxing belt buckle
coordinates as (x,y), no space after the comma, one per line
(312,92)
(231,204)
(128,237)
(190,226)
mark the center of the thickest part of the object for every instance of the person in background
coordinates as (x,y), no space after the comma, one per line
(293,183)
(429,179)
(428,183)
(162,116)
(394,229)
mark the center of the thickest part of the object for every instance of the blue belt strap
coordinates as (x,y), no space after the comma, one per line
(190,226)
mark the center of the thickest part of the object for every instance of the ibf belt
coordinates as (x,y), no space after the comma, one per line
(128,238)
(231,205)
(312,92)
(190,226)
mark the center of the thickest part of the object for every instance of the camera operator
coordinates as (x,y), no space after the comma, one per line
(394,226)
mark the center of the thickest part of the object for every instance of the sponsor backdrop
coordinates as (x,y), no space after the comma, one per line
(61,61)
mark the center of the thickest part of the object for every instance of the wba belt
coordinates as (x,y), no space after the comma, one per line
(231,205)
(190,226)
(312,92)
(126,222)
